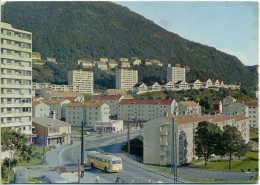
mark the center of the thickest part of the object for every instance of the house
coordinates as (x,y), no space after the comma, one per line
(147,62)
(87,64)
(88,112)
(111,100)
(57,105)
(189,107)
(168,85)
(51,59)
(101,65)
(125,64)
(181,85)
(112,63)
(48,93)
(51,131)
(221,83)
(140,88)
(195,84)
(253,113)
(145,110)
(215,83)
(115,92)
(206,82)
(156,62)
(229,99)
(123,59)
(81,60)
(217,107)
(157,141)
(111,126)
(235,108)
(40,109)
(136,61)
(104,60)
(154,86)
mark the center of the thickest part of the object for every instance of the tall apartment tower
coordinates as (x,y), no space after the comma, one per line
(175,74)
(16,79)
(83,81)
(126,79)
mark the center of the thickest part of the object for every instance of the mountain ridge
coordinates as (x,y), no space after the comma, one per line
(69,31)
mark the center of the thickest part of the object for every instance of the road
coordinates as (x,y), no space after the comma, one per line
(133,172)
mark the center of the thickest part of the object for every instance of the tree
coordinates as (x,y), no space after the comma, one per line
(14,141)
(232,143)
(207,139)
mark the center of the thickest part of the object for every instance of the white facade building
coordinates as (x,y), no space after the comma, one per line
(82,79)
(158,136)
(235,109)
(126,79)
(58,106)
(145,110)
(154,87)
(140,88)
(16,79)
(189,107)
(88,112)
(253,114)
(175,74)
(40,109)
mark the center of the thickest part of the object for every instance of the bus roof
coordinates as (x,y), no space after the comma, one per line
(104,156)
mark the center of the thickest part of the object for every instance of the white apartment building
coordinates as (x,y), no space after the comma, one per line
(89,112)
(101,65)
(111,100)
(175,74)
(189,107)
(40,109)
(58,106)
(235,109)
(158,136)
(126,79)
(125,64)
(145,110)
(82,79)
(86,64)
(16,79)
(253,114)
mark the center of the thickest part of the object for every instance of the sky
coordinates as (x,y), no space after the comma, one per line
(231,27)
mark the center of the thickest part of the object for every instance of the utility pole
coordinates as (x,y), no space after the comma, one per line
(174,153)
(82,146)
(78,171)
(43,150)
(128,136)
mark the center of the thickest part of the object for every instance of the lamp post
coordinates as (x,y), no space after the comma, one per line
(128,136)
(82,146)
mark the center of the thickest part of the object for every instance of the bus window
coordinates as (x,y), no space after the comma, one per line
(118,162)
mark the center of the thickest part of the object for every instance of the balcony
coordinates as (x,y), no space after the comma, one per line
(164,132)
(16,76)
(20,86)
(16,38)
(16,66)
(15,57)
(16,95)
(14,104)
(164,143)
(15,47)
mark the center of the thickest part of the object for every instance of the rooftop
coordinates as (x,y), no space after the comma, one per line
(154,101)
(254,104)
(53,101)
(88,104)
(48,122)
(106,97)
(190,103)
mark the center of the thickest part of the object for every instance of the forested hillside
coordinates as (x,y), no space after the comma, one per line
(70,31)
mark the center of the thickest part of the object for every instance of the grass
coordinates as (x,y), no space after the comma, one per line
(161,168)
(33,180)
(244,165)
(252,156)
(254,134)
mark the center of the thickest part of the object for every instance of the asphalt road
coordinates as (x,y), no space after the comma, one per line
(133,172)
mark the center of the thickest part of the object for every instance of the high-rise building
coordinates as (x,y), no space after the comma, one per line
(126,79)
(16,79)
(83,81)
(175,74)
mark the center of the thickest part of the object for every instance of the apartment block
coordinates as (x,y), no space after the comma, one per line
(126,79)
(158,136)
(145,110)
(89,112)
(40,109)
(16,79)
(253,114)
(111,100)
(175,74)
(58,106)
(189,107)
(83,79)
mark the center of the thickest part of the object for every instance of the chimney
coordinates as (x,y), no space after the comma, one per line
(52,115)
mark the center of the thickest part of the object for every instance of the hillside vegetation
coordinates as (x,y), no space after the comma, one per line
(70,31)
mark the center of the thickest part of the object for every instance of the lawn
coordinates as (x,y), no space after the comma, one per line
(246,165)
(252,156)
(254,134)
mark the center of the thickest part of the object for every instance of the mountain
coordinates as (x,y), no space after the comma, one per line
(70,31)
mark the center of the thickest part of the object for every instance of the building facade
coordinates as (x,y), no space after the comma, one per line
(40,109)
(158,136)
(145,110)
(83,79)
(175,74)
(253,114)
(126,79)
(16,79)
(188,107)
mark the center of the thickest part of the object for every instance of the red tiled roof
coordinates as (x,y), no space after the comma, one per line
(254,104)
(89,104)
(154,101)
(216,102)
(190,103)
(106,97)
(204,79)
(35,103)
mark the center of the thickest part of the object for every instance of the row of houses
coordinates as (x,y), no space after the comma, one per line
(105,63)
(158,136)
(140,88)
